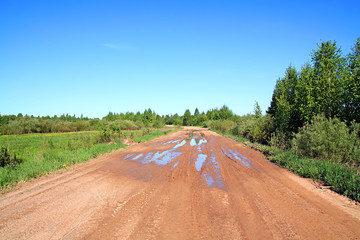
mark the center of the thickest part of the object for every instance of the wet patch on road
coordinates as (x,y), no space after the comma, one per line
(159,158)
(199,161)
(239,158)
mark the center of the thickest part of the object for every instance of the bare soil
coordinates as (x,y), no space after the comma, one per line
(185,185)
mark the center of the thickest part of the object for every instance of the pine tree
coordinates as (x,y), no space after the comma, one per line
(329,75)
(187,118)
(352,89)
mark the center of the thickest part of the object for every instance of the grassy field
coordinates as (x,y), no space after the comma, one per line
(40,154)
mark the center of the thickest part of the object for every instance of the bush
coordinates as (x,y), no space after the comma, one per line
(158,124)
(256,129)
(329,139)
(6,159)
(279,140)
(224,126)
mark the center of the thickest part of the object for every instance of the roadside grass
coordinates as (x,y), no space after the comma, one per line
(340,178)
(41,154)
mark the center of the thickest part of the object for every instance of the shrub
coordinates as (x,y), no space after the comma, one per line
(224,126)
(279,140)
(6,159)
(256,129)
(158,124)
(328,139)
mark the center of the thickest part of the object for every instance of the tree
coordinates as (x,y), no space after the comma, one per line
(257,110)
(352,88)
(305,96)
(187,118)
(225,113)
(282,106)
(329,75)
(195,119)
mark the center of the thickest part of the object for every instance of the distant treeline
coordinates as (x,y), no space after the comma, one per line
(19,124)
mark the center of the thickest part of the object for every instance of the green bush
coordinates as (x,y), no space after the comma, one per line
(255,128)
(329,139)
(224,126)
(6,159)
(158,124)
(279,140)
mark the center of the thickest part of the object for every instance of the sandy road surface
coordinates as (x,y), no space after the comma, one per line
(180,186)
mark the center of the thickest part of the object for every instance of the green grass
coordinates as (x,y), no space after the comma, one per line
(41,154)
(342,179)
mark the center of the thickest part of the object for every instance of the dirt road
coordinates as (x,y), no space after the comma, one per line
(186,185)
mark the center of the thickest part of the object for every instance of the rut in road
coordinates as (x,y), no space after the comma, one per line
(192,184)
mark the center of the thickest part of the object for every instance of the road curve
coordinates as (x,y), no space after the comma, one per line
(192,184)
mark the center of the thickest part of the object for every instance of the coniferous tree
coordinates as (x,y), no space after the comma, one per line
(187,118)
(329,75)
(352,89)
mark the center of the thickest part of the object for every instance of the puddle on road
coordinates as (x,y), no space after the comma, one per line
(160,158)
(207,165)
(199,161)
(209,180)
(215,163)
(179,145)
(167,158)
(138,156)
(196,141)
(174,166)
(213,175)
(128,155)
(147,158)
(171,141)
(237,156)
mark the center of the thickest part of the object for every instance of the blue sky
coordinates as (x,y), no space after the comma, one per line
(92,57)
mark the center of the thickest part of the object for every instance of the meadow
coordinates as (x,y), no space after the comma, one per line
(42,153)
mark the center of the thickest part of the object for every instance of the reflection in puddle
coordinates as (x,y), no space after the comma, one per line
(147,158)
(174,166)
(128,155)
(160,158)
(214,177)
(215,163)
(138,156)
(209,180)
(235,155)
(206,165)
(179,145)
(195,141)
(172,141)
(200,160)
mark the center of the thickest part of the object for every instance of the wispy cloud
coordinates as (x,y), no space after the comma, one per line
(118,46)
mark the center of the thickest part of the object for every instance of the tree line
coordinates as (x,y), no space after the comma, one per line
(328,85)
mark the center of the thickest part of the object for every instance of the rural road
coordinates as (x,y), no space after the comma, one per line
(191,184)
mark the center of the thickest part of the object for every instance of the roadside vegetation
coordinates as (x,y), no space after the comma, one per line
(27,156)
(20,124)
(312,126)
